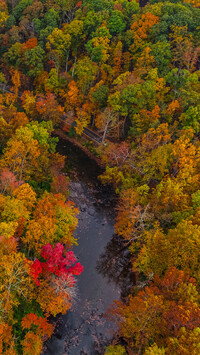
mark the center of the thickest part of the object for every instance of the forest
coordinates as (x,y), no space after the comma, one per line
(131,74)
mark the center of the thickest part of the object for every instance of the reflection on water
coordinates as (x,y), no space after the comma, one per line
(114,263)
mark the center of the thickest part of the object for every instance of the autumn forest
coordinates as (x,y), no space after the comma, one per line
(129,73)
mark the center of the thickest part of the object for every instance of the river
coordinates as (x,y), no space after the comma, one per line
(84,330)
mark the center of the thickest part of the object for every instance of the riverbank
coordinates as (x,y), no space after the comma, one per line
(60,133)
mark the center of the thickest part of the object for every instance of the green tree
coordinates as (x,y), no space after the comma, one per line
(59,44)
(116,23)
(34,60)
(85,73)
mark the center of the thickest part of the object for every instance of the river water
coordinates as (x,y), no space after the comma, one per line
(84,330)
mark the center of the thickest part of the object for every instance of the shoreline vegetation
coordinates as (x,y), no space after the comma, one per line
(62,134)
(130,75)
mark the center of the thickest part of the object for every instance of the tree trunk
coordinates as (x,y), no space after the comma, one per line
(66,66)
(74,66)
(105,131)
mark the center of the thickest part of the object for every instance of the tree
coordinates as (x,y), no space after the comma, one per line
(98,46)
(5,132)
(38,327)
(29,103)
(116,23)
(187,341)
(53,221)
(99,94)
(178,248)
(31,43)
(82,119)
(48,107)
(14,280)
(191,118)
(13,210)
(73,96)
(51,81)
(16,83)
(34,60)
(59,43)
(117,57)
(155,350)
(14,55)
(57,262)
(19,119)
(159,313)
(194,3)
(115,350)
(132,218)
(8,181)
(162,54)
(21,154)
(85,72)
(153,155)
(67,10)
(3,12)
(107,121)
(60,185)
(26,194)
(141,29)
(74,29)
(6,339)
(55,278)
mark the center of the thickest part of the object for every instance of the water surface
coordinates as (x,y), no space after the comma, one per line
(84,329)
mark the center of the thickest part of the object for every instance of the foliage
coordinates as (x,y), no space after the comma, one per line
(130,75)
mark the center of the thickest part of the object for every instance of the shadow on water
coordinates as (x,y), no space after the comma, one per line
(115,265)
(106,261)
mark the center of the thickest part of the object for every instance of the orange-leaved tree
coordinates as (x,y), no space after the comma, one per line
(160,313)
(53,221)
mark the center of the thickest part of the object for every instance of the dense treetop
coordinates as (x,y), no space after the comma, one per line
(132,75)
